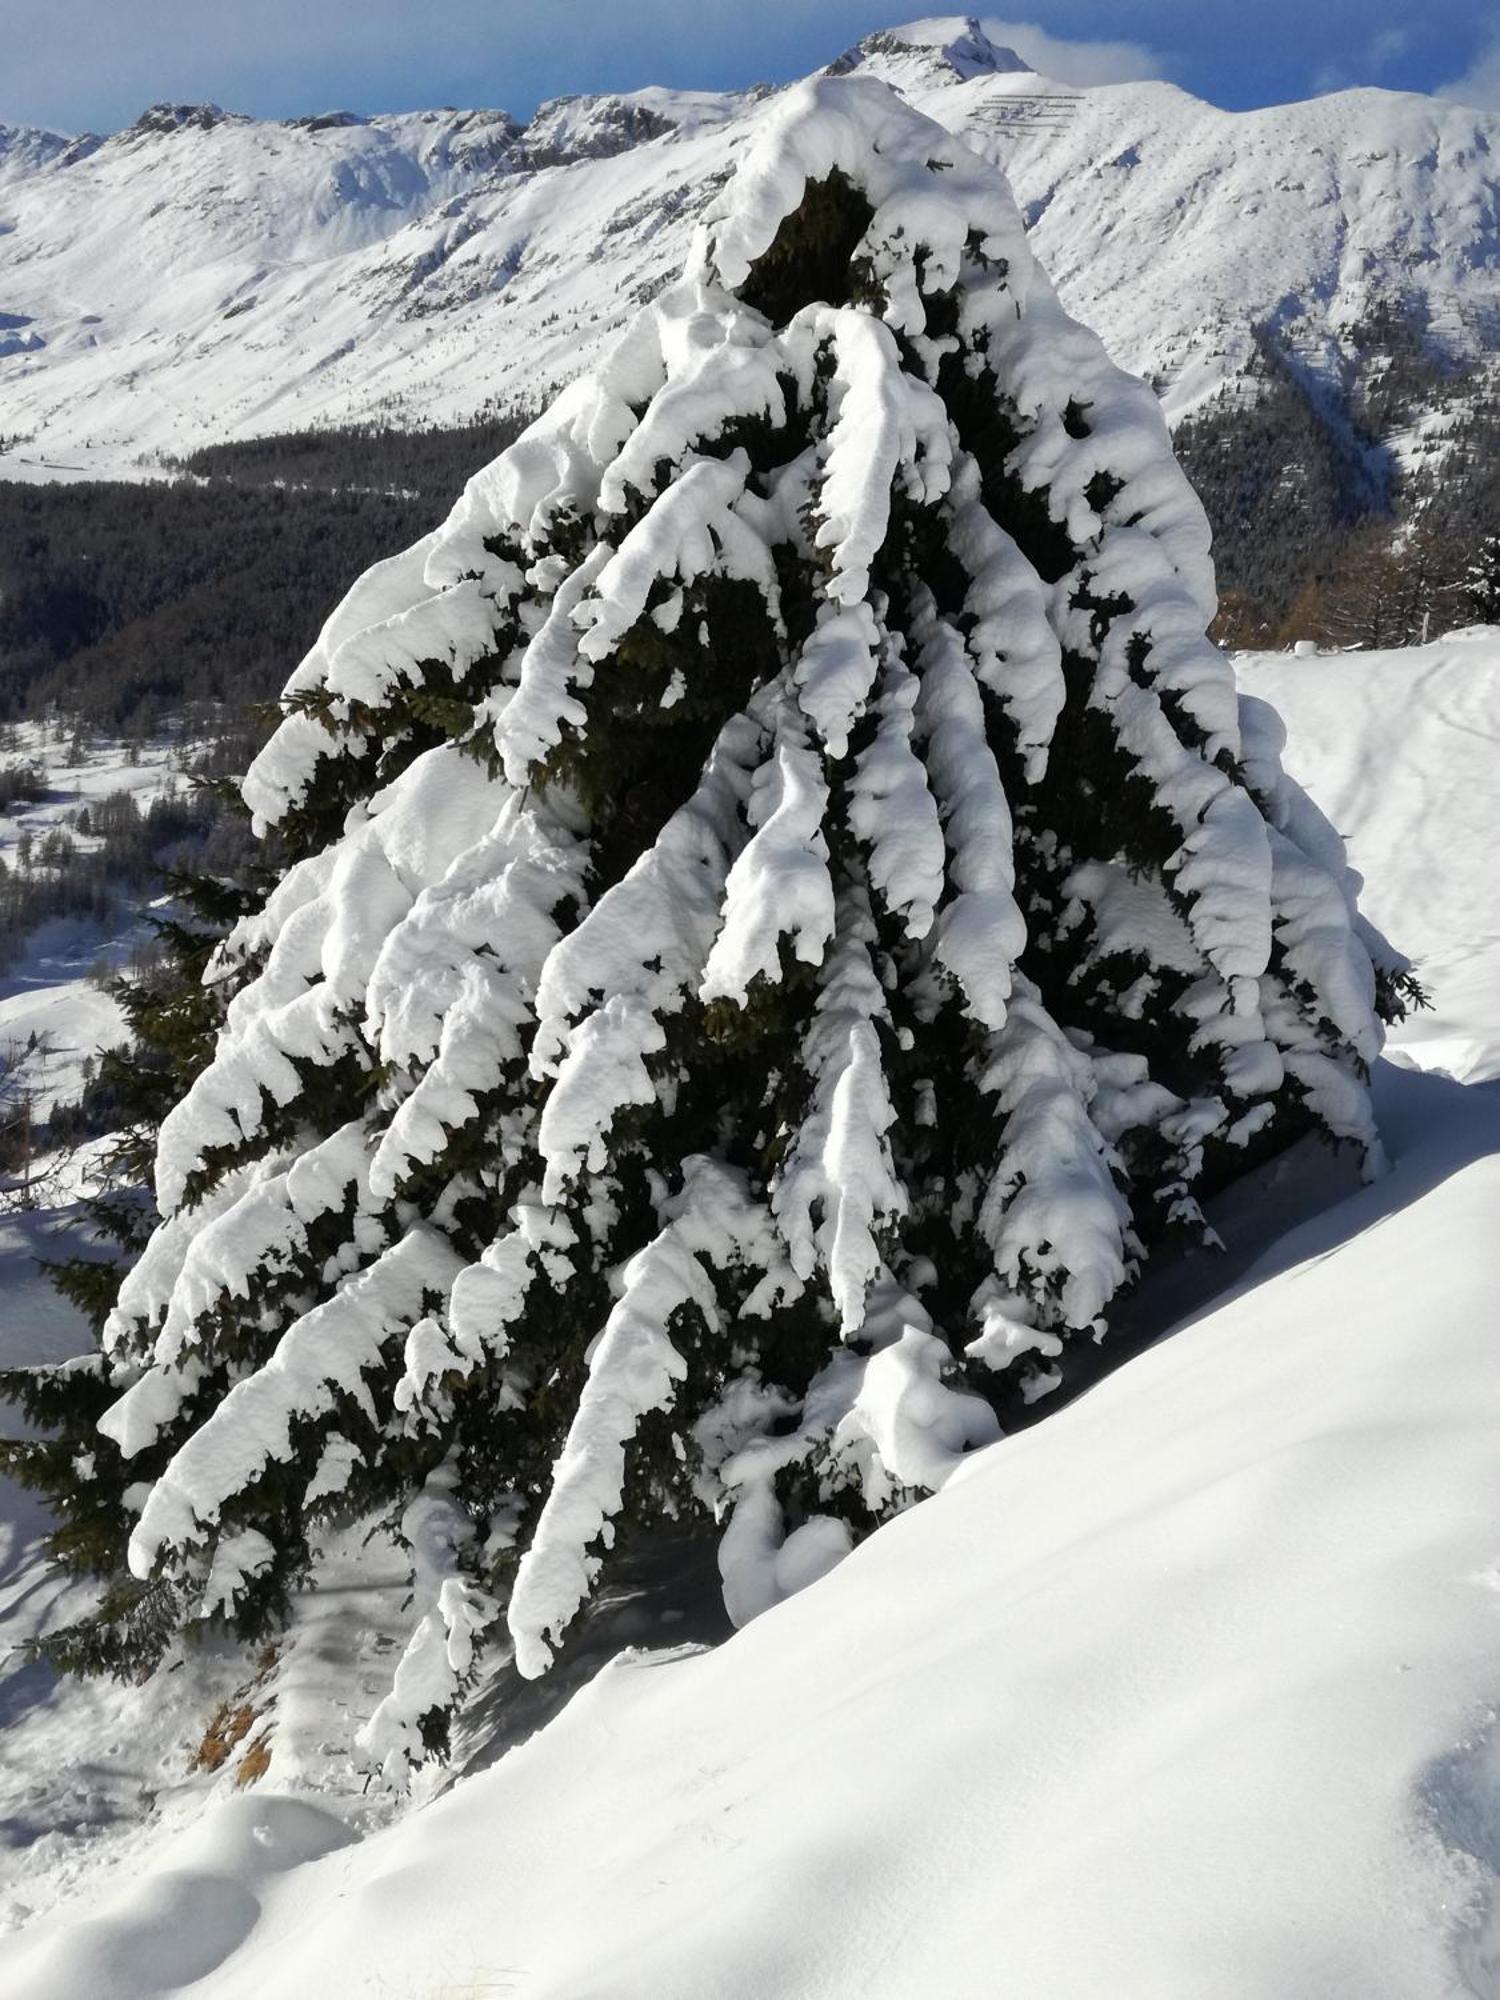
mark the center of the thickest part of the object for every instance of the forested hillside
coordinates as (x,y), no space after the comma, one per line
(1347,519)
(128,606)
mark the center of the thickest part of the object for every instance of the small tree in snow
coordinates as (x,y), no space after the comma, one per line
(791,914)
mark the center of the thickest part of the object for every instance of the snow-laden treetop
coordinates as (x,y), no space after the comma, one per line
(931,194)
(940,212)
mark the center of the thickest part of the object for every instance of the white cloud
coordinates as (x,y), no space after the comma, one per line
(1078,62)
(1480,83)
(1367,64)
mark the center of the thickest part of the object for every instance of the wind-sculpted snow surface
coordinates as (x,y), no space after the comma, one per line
(1188,1691)
(699,1060)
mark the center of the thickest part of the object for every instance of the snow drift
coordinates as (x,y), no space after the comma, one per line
(1401,749)
(1189,1690)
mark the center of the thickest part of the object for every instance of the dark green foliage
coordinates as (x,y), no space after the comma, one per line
(173,1019)
(624,774)
(1479,586)
(812,258)
(21,785)
(67,1466)
(125,1636)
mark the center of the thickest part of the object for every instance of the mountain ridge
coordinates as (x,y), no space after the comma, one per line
(201,276)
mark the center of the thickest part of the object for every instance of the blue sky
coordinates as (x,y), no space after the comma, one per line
(76,64)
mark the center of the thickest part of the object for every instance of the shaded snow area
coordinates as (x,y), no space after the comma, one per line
(1188,1691)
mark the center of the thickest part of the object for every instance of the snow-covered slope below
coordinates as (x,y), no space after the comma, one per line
(203,276)
(1191,1690)
(1402,750)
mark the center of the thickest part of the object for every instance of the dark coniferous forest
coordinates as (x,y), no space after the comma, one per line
(1318,531)
(129,606)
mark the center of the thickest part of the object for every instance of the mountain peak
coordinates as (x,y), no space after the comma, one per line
(177,117)
(954,41)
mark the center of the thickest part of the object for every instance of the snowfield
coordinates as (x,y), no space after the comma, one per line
(1190,1690)
(202,276)
(1402,751)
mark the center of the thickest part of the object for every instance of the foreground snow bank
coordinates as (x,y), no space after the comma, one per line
(1188,1691)
(183,1921)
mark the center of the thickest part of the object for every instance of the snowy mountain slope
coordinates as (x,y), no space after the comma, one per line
(1190,1690)
(1402,751)
(204,276)
(25,149)
(1175,226)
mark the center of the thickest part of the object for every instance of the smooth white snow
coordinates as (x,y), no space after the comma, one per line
(1401,749)
(1189,1690)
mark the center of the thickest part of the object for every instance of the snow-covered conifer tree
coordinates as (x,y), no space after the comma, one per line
(791,913)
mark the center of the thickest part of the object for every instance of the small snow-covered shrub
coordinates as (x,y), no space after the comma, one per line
(788,913)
